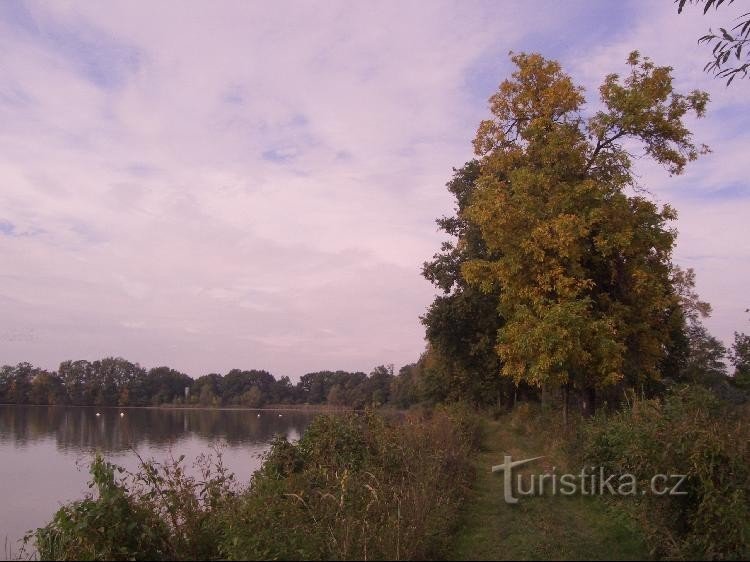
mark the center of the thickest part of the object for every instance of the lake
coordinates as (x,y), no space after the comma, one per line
(45,450)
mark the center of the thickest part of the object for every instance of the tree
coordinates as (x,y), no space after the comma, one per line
(283,391)
(379,384)
(405,388)
(110,379)
(683,315)
(705,364)
(336,396)
(6,382)
(207,389)
(46,388)
(75,376)
(253,398)
(702,355)
(207,396)
(581,267)
(314,387)
(357,389)
(15,382)
(728,45)
(462,323)
(692,307)
(237,382)
(740,359)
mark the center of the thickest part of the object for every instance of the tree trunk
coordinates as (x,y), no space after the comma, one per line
(589,402)
(545,397)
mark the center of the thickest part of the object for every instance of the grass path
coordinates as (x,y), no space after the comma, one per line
(538,528)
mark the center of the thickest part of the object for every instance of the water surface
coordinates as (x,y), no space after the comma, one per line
(45,450)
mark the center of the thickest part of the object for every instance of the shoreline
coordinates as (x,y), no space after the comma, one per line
(305,408)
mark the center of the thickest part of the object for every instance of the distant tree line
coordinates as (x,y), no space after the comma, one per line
(115,381)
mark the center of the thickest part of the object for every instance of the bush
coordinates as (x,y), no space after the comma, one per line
(693,433)
(113,526)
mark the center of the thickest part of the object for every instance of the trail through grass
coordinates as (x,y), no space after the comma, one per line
(541,528)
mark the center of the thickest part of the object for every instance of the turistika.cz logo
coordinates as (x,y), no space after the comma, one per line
(590,481)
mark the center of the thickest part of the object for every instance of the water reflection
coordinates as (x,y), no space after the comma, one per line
(44,451)
(81,429)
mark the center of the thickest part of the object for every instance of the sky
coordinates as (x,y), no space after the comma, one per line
(211,185)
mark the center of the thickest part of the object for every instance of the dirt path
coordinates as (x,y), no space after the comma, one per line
(545,528)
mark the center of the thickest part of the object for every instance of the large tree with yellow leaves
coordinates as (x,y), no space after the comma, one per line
(582,256)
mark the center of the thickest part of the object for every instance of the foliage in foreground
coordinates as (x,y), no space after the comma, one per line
(354,487)
(110,527)
(727,58)
(693,433)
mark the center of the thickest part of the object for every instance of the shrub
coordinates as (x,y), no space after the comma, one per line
(693,433)
(112,526)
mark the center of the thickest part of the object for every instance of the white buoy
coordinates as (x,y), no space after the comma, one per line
(279,415)
(258,415)
(98,414)
(122,414)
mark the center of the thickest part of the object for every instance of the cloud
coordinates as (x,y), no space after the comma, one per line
(256,185)
(96,56)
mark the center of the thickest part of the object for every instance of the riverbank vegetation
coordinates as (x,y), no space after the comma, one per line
(357,486)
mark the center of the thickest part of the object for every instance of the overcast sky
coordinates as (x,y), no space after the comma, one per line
(216,185)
